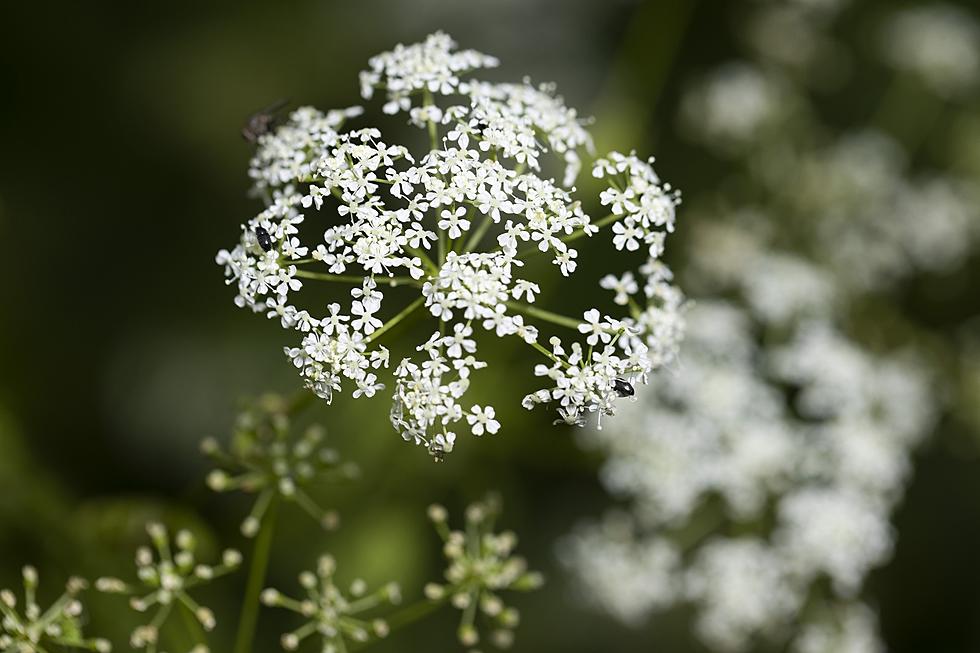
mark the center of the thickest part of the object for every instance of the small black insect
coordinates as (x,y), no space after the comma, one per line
(623,388)
(261,122)
(437,452)
(264,239)
(481,127)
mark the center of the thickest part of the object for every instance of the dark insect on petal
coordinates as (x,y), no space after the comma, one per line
(437,452)
(623,388)
(262,122)
(265,240)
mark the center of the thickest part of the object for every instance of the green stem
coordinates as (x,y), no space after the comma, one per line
(542,314)
(193,626)
(412,613)
(426,261)
(323,276)
(478,234)
(339,278)
(256,579)
(404,617)
(547,353)
(433,135)
(408,310)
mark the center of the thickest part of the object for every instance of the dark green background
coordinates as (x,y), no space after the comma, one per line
(122,172)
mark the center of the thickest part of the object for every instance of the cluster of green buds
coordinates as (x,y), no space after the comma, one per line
(481,565)
(264,458)
(169,576)
(330,613)
(34,630)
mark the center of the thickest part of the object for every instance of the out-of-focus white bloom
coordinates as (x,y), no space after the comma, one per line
(742,587)
(625,577)
(839,380)
(940,43)
(936,222)
(872,225)
(732,108)
(779,288)
(455,222)
(850,628)
(810,429)
(795,36)
(716,428)
(835,532)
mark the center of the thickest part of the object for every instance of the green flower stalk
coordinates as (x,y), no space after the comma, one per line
(34,630)
(330,613)
(264,458)
(169,577)
(481,565)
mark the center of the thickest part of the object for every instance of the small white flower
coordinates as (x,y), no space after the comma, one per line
(482,419)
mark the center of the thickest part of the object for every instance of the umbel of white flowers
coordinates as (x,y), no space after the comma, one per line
(455,222)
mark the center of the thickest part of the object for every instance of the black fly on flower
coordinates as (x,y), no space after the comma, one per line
(262,121)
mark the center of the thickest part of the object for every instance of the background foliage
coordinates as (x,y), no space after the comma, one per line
(122,172)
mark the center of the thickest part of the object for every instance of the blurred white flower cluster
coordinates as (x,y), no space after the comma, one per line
(858,201)
(455,222)
(801,448)
(896,223)
(940,44)
(734,106)
(757,482)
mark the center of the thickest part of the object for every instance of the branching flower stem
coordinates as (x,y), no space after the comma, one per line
(256,580)
(408,310)
(547,316)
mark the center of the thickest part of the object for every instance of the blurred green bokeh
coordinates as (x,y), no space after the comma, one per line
(122,173)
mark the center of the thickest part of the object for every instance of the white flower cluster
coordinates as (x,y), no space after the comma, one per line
(895,224)
(815,433)
(939,43)
(733,107)
(455,223)
(431,66)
